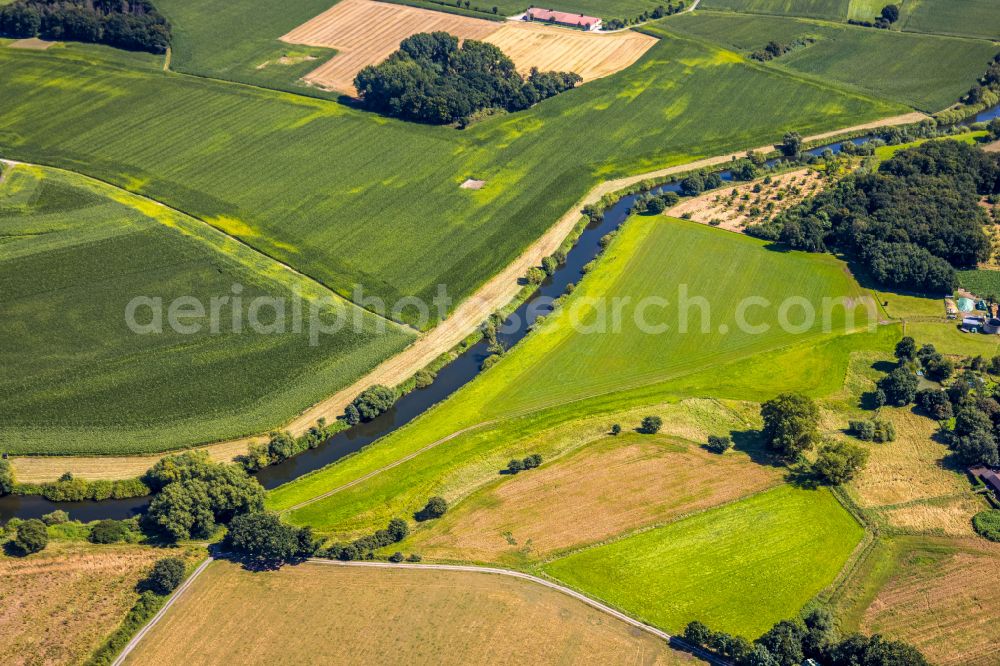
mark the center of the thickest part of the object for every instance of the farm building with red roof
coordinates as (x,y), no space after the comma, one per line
(562,18)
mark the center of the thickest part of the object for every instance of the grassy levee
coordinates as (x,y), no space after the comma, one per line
(331,191)
(738,568)
(928,72)
(75,252)
(559,375)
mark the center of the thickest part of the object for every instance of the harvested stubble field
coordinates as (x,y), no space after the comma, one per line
(58,606)
(364,32)
(610,487)
(738,568)
(322,614)
(941,596)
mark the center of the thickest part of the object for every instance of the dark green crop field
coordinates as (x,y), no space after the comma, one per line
(833,10)
(351,198)
(971,18)
(927,72)
(78,379)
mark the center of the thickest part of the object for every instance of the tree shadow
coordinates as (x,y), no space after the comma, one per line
(10,549)
(751,442)
(884,367)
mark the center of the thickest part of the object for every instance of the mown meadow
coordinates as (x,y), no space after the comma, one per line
(770,552)
(558,375)
(879,62)
(78,380)
(331,191)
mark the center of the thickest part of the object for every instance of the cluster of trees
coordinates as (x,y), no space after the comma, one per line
(986,90)
(791,429)
(71,489)
(791,642)
(261,537)
(654,204)
(6,478)
(650,15)
(194,495)
(884,21)
(774,49)
(282,446)
(434,79)
(373,401)
(910,224)
(519,465)
(874,430)
(365,547)
(126,24)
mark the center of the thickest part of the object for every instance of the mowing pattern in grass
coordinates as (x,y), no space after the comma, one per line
(738,568)
(973,18)
(834,10)
(556,364)
(924,71)
(79,380)
(348,197)
(323,614)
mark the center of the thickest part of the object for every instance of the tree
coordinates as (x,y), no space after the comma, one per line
(32,536)
(791,144)
(550,265)
(109,531)
(373,401)
(165,576)
(719,444)
(759,656)
(935,403)
(616,429)
(57,517)
(398,529)
(532,461)
(697,634)
(397,556)
(435,508)
(262,536)
(906,349)
(514,466)
(6,478)
(938,368)
(890,13)
(535,275)
(784,642)
(651,425)
(858,650)
(819,633)
(899,387)
(838,462)
(656,206)
(693,185)
(790,422)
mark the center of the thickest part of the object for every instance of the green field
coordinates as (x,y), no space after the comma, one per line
(983,283)
(737,568)
(606,9)
(972,18)
(332,191)
(552,377)
(833,10)
(927,72)
(73,253)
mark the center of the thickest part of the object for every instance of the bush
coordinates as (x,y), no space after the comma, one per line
(6,478)
(616,429)
(435,508)
(109,531)
(719,444)
(414,557)
(532,461)
(651,425)
(373,401)
(535,275)
(166,575)
(514,466)
(57,517)
(396,557)
(838,462)
(32,537)
(987,524)
(875,430)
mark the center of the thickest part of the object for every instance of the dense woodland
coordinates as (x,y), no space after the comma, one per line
(910,224)
(126,24)
(433,79)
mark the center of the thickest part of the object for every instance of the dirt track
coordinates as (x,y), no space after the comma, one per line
(493,295)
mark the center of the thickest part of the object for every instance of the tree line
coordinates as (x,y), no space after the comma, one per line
(434,79)
(910,224)
(135,25)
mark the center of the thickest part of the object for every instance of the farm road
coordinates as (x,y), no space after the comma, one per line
(492,296)
(672,640)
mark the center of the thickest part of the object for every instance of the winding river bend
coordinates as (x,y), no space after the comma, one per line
(449,379)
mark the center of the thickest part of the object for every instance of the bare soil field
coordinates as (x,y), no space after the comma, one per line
(364,32)
(58,606)
(321,614)
(942,598)
(608,488)
(732,208)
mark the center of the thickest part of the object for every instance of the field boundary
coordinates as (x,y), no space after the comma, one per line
(497,292)
(673,641)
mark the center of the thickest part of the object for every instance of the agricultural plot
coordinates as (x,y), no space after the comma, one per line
(366,32)
(938,595)
(833,10)
(554,367)
(739,568)
(79,379)
(387,616)
(609,487)
(969,18)
(61,604)
(320,186)
(926,72)
(600,8)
